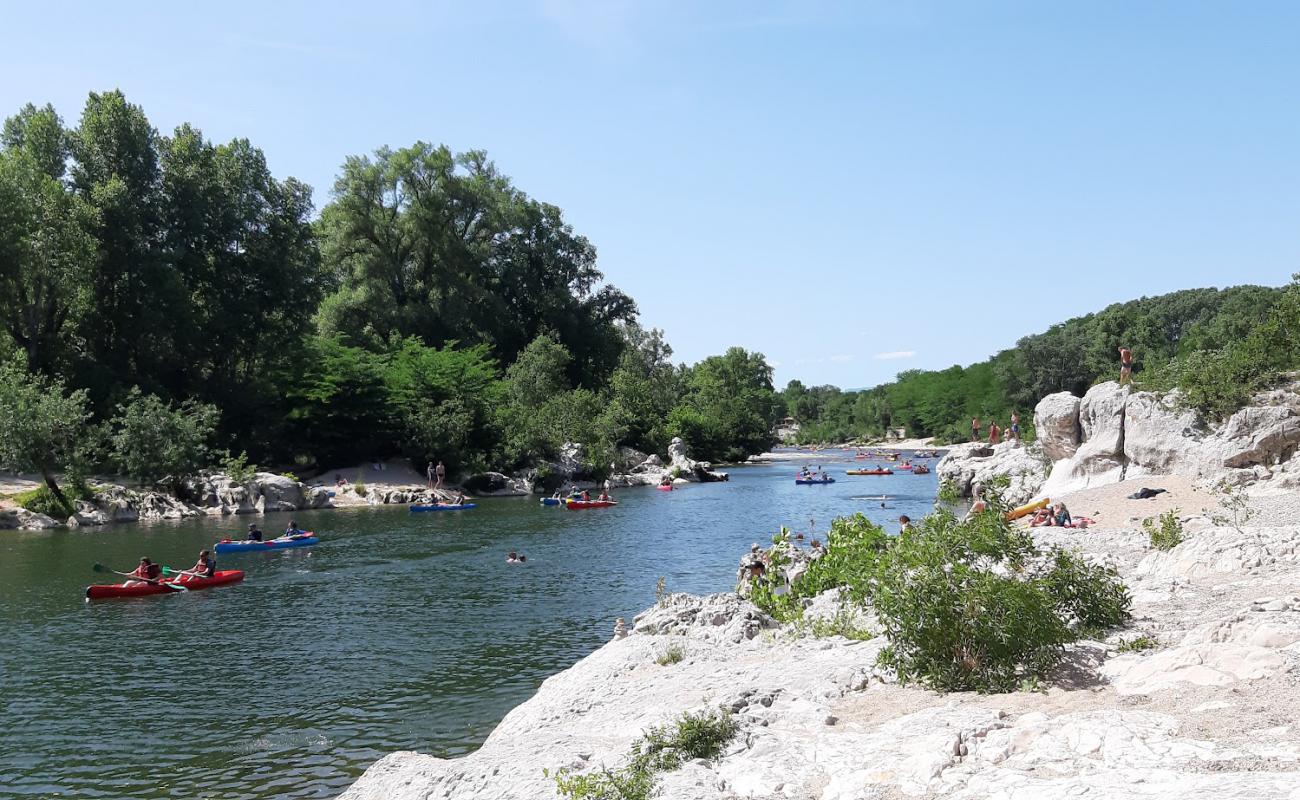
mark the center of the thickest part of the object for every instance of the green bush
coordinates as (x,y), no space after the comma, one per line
(42,501)
(1166,532)
(237,467)
(966,605)
(660,749)
(1138,644)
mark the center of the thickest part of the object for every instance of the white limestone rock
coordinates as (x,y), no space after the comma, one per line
(1056,424)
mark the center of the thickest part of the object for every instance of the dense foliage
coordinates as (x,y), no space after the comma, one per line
(432,310)
(1218,346)
(965,604)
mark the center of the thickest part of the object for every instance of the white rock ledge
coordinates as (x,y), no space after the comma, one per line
(1208,715)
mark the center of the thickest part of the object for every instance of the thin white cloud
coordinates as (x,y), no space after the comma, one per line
(894,355)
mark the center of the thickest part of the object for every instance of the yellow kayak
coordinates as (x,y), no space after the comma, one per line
(1028,508)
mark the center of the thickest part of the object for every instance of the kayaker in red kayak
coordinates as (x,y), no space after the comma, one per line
(148,572)
(205,567)
(604,497)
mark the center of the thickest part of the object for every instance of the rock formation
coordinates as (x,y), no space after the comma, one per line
(1206,713)
(1113,433)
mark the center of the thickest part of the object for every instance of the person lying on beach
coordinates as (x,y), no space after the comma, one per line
(1042,517)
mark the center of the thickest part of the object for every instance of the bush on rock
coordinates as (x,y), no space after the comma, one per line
(965,604)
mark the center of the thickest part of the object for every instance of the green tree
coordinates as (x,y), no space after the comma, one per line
(47,256)
(729,410)
(152,439)
(41,425)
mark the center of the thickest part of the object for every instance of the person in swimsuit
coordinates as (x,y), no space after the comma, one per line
(994,432)
(1015,426)
(1125,365)
(975,429)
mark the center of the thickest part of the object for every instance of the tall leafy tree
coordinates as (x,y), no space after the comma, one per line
(41,424)
(47,255)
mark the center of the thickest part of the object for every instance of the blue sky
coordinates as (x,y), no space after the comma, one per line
(851,188)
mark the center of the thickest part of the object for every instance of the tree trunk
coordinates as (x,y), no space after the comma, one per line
(56,491)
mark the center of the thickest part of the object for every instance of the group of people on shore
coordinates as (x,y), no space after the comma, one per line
(997,434)
(1056,515)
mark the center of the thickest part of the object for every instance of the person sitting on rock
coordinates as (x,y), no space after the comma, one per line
(1042,518)
(976,508)
(254,532)
(1063,516)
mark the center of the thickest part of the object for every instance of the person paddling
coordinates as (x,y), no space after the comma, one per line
(205,567)
(293,531)
(146,573)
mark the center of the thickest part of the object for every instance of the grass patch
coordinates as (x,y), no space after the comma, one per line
(1138,644)
(672,654)
(661,749)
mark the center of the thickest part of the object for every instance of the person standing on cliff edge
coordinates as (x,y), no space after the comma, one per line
(1125,365)
(975,429)
(428,471)
(441,472)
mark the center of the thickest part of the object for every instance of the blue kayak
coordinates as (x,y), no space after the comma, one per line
(808,482)
(283,543)
(552,501)
(462,507)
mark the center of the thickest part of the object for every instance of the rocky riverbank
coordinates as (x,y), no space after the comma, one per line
(1114,433)
(215,494)
(1206,712)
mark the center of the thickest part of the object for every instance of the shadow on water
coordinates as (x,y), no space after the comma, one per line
(399,631)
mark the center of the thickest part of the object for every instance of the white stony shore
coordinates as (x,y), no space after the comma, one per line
(1209,714)
(383,483)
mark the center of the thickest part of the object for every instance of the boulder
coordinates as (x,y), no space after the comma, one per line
(318,497)
(1056,425)
(1100,458)
(973,464)
(1160,437)
(277,493)
(24,520)
(495,484)
(1254,435)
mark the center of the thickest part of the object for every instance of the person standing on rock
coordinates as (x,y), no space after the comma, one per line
(994,432)
(1125,365)
(441,472)
(1015,426)
(975,429)
(428,471)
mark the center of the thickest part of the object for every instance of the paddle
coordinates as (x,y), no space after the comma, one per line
(98,567)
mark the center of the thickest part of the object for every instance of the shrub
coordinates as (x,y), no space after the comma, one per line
(1137,644)
(673,654)
(237,467)
(1234,506)
(660,749)
(1165,533)
(844,623)
(42,501)
(966,605)
(152,439)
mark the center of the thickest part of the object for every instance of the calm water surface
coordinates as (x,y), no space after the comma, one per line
(399,631)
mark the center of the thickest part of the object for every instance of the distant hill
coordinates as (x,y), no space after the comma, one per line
(1069,356)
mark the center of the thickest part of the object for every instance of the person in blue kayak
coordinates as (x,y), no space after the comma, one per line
(254,532)
(293,531)
(205,567)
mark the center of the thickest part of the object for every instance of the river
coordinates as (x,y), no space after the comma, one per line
(399,631)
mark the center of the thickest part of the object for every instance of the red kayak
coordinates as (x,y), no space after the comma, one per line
(103,592)
(665,488)
(574,505)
